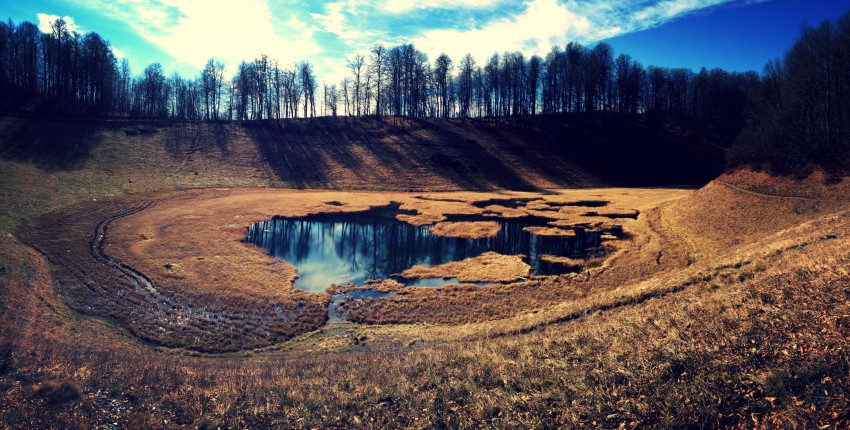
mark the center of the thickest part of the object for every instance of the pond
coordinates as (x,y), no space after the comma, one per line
(355,247)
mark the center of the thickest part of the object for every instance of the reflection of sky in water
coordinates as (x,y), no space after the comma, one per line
(344,248)
(324,263)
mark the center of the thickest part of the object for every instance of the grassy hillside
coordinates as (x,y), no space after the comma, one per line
(727,307)
(706,319)
(46,162)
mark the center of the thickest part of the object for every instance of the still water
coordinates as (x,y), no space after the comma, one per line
(356,247)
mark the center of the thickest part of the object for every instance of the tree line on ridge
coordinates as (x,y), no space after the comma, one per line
(796,112)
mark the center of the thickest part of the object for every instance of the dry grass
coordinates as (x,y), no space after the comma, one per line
(487,267)
(467,230)
(566,261)
(761,345)
(189,246)
(550,231)
(48,163)
(726,307)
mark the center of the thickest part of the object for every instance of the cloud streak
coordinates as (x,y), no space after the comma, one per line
(405,6)
(326,33)
(543,24)
(547,23)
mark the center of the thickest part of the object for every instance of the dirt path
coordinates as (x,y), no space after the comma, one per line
(774,196)
(95,283)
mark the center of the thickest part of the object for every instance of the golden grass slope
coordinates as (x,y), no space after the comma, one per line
(728,307)
(725,308)
(47,163)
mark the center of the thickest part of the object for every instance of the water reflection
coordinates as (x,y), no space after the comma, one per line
(342,248)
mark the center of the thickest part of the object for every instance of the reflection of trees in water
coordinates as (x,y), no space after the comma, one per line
(377,249)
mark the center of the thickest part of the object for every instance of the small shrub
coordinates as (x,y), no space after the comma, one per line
(776,383)
(58,392)
(211,425)
(767,298)
(5,357)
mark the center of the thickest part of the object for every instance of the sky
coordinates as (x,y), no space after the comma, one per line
(736,35)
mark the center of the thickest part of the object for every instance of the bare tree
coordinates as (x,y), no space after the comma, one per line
(308,84)
(356,67)
(331,99)
(467,65)
(534,70)
(345,96)
(377,68)
(442,71)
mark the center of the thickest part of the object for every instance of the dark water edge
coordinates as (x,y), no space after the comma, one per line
(355,247)
(336,315)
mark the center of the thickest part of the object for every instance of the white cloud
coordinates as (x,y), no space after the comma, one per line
(119,54)
(334,70)
(335,21)
(547,23)
(45,21)
(543,24)
(612,17)
(404,6)
(192,31)
(234,31)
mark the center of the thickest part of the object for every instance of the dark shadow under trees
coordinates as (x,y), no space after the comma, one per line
(62,144)
(800,115)
(564,150)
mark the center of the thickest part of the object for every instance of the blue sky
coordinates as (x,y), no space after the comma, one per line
(183,34)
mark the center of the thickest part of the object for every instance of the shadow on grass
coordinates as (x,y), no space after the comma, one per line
(564,150)
(299,152)
(623,152)
(184,138)
(60,144)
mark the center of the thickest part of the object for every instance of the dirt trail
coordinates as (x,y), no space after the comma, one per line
(96,283)
(777,196)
